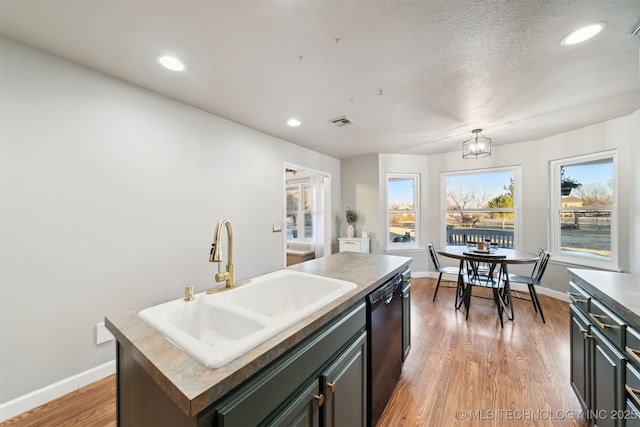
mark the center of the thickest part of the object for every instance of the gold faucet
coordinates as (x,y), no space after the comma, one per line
(230,275)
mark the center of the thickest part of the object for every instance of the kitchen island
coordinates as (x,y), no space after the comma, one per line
(157,381)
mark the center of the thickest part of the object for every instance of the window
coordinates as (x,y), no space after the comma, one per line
(402,211)
(583,214)
(299,218)
(481,205)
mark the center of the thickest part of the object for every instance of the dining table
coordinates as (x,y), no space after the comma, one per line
(490,253)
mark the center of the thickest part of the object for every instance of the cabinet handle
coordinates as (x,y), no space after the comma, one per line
(332,387)
(319,398)
(585,334)
(633,392)
(633,352)
(574,298)
(596,318)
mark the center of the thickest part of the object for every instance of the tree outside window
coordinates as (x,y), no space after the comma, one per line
(504,200)
(481,205)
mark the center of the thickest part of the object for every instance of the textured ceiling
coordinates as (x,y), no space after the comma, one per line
(413,76)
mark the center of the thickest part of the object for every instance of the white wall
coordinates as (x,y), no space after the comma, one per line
(634,232)
(406,164)
(364,189)
(110,195)
(359,191)
(634,190)
(534,157)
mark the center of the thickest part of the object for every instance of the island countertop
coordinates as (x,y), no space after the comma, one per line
(619,291)
(193,387)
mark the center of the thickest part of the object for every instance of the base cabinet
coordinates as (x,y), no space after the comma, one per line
(344,385)
(303,410)
(604,357)
(597,372)
(607,383)
(580,365)
(321,383)
(336,398)
(632,387)
(406,320)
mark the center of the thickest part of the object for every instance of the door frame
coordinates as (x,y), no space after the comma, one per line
(326,214)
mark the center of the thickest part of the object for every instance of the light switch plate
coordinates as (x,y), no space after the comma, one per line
(277,228)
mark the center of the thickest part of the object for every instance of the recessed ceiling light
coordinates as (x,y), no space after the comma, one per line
(582,34)
(293,122)
(171,62)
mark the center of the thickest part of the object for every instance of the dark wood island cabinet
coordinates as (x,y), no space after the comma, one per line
(314,373)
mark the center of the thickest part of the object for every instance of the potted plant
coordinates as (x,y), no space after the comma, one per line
(352,217)
(567,185)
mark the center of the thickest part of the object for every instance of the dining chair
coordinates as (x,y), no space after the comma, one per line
(439,269)
(535,279)
(474,275)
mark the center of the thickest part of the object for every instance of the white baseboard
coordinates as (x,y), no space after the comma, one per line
(423,274)
(562,296)
(53,391)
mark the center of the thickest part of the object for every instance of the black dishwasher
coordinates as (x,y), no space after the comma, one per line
(384,323)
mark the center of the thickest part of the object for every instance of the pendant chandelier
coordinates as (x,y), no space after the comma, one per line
(476,147)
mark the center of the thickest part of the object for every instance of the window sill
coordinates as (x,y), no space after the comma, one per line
(396,249)
(571,262)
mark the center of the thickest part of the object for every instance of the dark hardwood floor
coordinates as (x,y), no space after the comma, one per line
(459,373)
(474,373)
(93,405)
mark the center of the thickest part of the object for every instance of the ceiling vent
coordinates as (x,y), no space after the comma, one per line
(341,121)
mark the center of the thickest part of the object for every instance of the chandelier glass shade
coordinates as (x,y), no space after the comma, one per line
(476,147)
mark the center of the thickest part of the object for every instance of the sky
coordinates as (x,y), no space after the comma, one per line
(590,173)
(493,183)
(584,173)
(401,190)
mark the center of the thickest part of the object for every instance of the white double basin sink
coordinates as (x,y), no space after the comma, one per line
(217,328)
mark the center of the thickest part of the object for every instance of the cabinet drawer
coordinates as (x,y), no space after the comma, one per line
(632,346)
(632,389)
(350,246)
(579,297)
(608,323)
(355,244)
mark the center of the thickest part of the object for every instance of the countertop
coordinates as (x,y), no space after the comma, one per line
(193,387)
(619,291)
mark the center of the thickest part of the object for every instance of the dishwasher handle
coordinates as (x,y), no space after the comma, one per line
(386,291)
